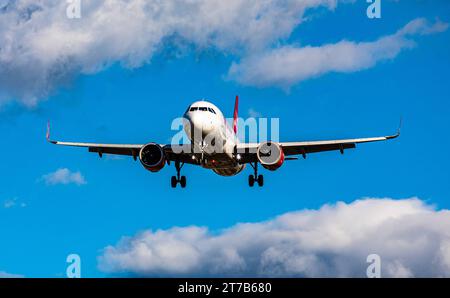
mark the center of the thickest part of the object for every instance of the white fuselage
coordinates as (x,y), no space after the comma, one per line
(207,129)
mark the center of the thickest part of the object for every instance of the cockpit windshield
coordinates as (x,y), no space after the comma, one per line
(202,109)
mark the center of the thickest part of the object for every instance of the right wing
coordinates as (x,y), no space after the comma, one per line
(297,148)
(303,148)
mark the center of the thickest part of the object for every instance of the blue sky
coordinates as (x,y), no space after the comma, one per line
(137,105)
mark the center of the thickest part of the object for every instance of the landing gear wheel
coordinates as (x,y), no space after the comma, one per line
(173,182)
(178,179)
(251,180)
(261,180)
(255,177)
(183,181)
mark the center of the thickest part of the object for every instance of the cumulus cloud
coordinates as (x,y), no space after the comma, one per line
(411,237)
(40,48)
(288,65)
(11,203)
(4,274)
(64,176)
(254,113)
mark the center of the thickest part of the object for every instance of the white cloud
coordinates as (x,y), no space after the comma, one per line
(254,113)
(411,237)
(4,274)
(41,48)
(287,65)
(64,176)
(11,203)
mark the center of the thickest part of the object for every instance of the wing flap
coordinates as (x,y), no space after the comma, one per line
(116,150)
(119,149)
(295,150)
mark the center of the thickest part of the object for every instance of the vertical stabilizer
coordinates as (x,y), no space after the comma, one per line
(235,115)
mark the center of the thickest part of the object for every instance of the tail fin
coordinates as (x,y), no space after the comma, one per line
(235,115)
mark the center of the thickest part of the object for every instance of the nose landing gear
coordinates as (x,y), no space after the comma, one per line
(255,177)
(178,179)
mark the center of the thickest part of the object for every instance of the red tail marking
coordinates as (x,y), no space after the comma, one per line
(235,115)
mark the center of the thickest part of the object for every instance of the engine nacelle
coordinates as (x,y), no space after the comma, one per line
(152,157)
(270,155)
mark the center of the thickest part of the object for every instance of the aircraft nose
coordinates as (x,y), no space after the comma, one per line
(200,123)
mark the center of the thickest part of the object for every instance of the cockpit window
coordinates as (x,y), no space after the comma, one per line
(203,109)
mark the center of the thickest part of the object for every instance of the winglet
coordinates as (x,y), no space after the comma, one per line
(398,130)
(235,115)
(400,126)
(47,135)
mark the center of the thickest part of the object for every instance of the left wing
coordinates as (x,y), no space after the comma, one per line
(172,152)
(119,149)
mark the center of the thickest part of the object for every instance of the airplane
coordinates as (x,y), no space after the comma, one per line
(228,157)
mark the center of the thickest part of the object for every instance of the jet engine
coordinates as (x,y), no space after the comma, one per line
(152,157)
(270,155)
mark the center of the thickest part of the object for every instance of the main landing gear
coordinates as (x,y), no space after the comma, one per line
(255,178)
(178,179)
